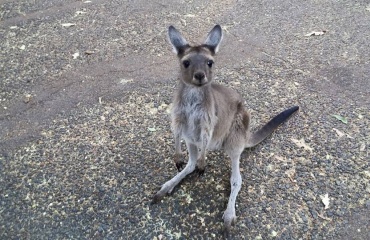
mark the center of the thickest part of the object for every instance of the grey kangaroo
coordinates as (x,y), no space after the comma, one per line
(210,116)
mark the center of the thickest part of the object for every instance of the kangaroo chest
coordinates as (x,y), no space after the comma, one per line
(196,119)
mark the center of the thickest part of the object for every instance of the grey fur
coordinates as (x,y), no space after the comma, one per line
(214,38)
(209,116)
(176,39)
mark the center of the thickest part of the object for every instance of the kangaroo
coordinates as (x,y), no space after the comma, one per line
(210,116)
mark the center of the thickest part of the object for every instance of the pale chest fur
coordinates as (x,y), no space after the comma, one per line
(194,116)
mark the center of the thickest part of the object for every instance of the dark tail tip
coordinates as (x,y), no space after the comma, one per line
(274,123)
(283,116)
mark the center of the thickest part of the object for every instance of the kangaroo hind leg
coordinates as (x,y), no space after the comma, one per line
(189,168)
(229,216)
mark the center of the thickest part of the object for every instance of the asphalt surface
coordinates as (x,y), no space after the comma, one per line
(85,141)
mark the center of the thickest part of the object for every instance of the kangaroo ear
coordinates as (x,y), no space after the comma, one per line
(214,38)
(179,43)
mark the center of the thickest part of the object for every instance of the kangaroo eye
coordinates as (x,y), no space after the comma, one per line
(186,63)
(210,63)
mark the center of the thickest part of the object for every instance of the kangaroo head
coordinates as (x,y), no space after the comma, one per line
(196,62)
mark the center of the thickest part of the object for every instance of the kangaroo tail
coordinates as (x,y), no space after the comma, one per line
(271,126)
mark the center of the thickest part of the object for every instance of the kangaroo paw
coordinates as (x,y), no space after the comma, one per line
(227,234)
(180,165)
(229,219)
(156,198)
(178,158)
(200,170)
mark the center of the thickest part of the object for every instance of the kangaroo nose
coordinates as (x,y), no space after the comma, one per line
(199,76)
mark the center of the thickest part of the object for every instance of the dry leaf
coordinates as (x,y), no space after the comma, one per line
(124,81)
(235,83)
(279,158)
(314,33)
(323,217)
(68,24)
(290,173)
(340,118)
(362,147)
(79,13)
(89,52)
(340,134)
(177,235)
(27,98)
(153,111)
(366,174)
(325,200)
(302,144)
(169,109)
(152,129)
(76,55)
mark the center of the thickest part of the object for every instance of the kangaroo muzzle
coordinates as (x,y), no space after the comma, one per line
(199,78)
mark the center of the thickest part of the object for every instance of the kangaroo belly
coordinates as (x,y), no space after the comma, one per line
(198,128)
(197,138)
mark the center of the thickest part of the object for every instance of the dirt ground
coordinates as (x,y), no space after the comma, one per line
(85,140)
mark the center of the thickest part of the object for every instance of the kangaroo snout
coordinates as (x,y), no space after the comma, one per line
(199,78)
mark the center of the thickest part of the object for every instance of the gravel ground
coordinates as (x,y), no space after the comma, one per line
(85,138)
